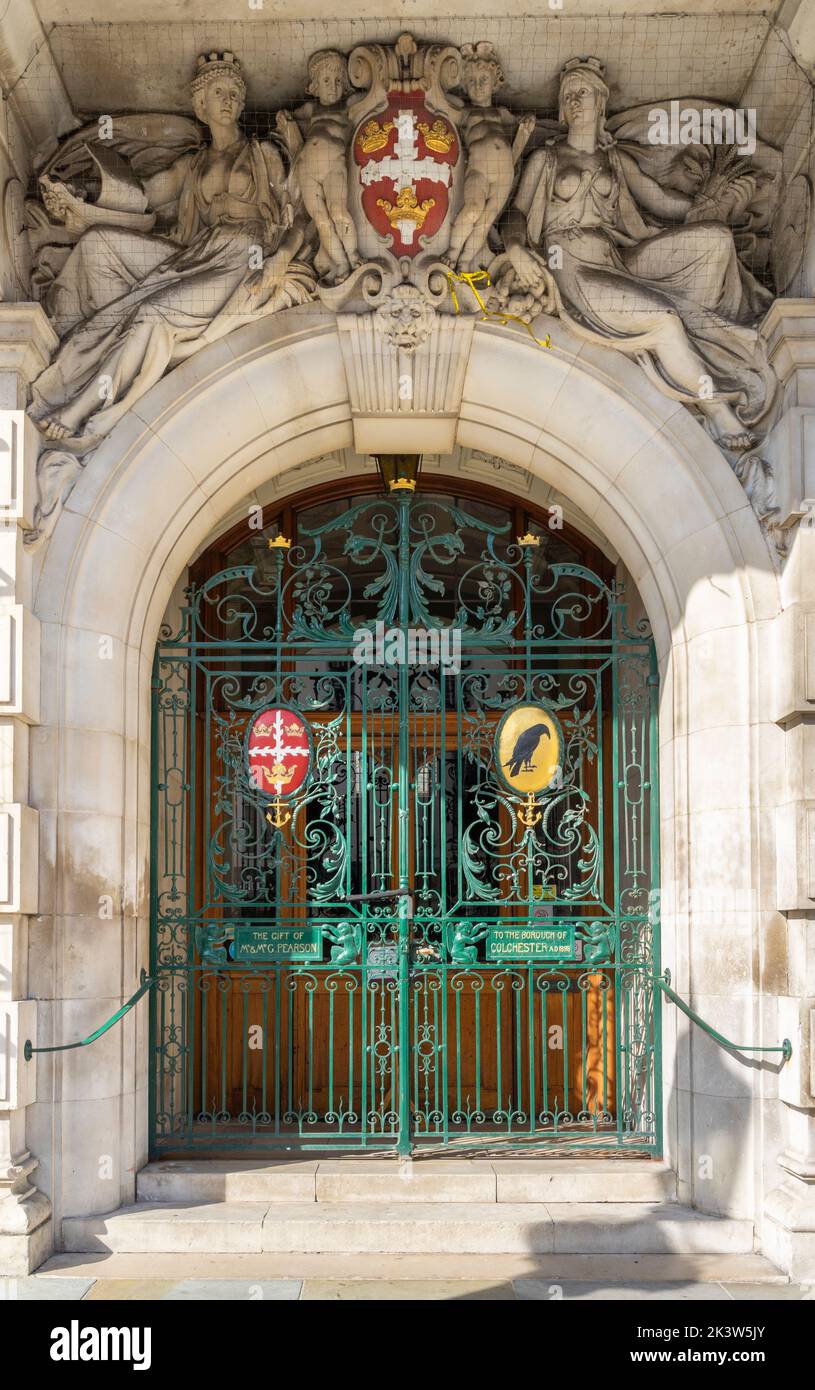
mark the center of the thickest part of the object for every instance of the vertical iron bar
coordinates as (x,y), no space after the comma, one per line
(498,1083)
(351,1106)
(405,903)
(265,1053)
(458,1050)
(331,994)
(277,1035)
(224,1050)
(544,1050)
(616,784)
(245,1057)
(191,781)
(530,1027)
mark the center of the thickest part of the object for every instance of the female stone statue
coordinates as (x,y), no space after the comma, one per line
(674,297)
(133,304)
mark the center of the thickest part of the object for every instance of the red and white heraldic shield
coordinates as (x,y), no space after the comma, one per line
(405,156)
(278,751)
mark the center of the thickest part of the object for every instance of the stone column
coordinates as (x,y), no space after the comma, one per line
(26,341)
(790,1208)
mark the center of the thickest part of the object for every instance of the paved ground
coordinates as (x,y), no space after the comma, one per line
(89,1278)
(43,1287)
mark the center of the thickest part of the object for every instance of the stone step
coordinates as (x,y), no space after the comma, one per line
(258,1266)
(409,1228)
(422,1180)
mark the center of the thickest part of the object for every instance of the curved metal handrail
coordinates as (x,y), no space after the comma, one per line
(146,982)
(664,983)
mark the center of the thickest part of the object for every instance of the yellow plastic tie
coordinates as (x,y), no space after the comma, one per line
(471,277)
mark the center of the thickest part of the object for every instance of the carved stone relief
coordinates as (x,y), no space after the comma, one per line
(396,177)
(16,248)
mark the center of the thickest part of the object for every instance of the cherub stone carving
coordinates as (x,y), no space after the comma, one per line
(130,304)
(494,140)
(317,135)
(642,269)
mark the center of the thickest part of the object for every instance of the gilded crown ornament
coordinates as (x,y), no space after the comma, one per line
(407,207)
(279,773)
(374,137)
(438,136)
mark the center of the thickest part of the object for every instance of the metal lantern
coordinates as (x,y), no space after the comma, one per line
(399,472)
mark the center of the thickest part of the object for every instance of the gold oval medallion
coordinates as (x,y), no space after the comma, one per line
(527,748)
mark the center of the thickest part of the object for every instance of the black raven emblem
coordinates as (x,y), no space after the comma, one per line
(525,745)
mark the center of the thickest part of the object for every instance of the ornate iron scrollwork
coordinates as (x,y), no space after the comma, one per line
(534,926)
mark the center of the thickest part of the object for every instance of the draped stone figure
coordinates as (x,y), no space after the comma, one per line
(132,304)
(589,229)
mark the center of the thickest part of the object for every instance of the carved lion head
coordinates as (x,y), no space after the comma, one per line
(405,319)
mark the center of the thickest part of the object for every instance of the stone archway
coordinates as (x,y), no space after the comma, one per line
(271,397)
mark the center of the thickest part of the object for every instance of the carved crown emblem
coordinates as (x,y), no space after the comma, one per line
(407,207)
(374,136)
(585,64)
(217,58)
(438,136)
(215,64)
(294,729)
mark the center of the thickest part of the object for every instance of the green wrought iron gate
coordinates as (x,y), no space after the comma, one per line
(432,920)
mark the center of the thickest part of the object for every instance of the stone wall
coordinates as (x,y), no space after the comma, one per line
(735,632)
